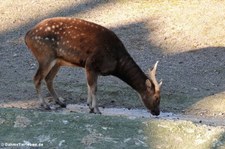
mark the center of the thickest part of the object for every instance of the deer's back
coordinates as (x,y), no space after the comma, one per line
(74,41)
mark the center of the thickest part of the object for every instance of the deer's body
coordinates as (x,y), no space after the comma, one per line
(59,42)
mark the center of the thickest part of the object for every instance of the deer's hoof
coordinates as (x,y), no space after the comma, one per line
(95,111)
(45,106)
(62,104)
(92,110)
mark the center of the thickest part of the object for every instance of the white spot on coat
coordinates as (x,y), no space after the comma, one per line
(48,28)
(37,37)
(61,51)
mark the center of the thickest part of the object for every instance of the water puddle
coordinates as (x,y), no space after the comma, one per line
(130,113)
(143,113)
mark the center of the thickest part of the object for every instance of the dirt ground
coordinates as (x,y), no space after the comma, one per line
(187,37)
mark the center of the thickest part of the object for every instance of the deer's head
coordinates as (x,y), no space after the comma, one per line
(151,96)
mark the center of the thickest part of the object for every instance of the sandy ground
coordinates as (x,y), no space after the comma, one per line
(187,37)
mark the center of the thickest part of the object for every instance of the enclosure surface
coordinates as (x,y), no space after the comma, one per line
(186,37)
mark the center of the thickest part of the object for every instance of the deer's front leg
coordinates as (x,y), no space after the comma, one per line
(92,88)
(94,107)
(89,99)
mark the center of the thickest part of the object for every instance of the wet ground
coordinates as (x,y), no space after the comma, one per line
(42,129)
(143,113)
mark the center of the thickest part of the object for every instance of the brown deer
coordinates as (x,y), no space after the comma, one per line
(64,41)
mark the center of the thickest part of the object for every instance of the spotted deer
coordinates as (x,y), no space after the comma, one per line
(63,41)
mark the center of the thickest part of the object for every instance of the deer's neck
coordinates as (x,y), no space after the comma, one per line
(128,71)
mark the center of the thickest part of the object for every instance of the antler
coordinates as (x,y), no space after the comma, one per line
(152,74)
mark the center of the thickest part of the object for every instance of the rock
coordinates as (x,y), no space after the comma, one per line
(21,122)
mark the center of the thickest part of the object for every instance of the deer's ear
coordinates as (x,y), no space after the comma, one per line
(148,83)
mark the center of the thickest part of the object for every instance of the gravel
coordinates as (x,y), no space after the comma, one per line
(186,37)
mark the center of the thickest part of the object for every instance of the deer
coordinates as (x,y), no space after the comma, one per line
(74,42)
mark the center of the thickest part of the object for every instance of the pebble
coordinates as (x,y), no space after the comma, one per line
(220,114)
(65,122)
(15,55)
(32,66)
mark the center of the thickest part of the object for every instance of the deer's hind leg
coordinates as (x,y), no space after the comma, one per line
(41,73)
(49,81)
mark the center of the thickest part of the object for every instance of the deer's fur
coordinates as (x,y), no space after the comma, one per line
(57,42)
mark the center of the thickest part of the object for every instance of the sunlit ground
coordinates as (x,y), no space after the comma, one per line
(175,26)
